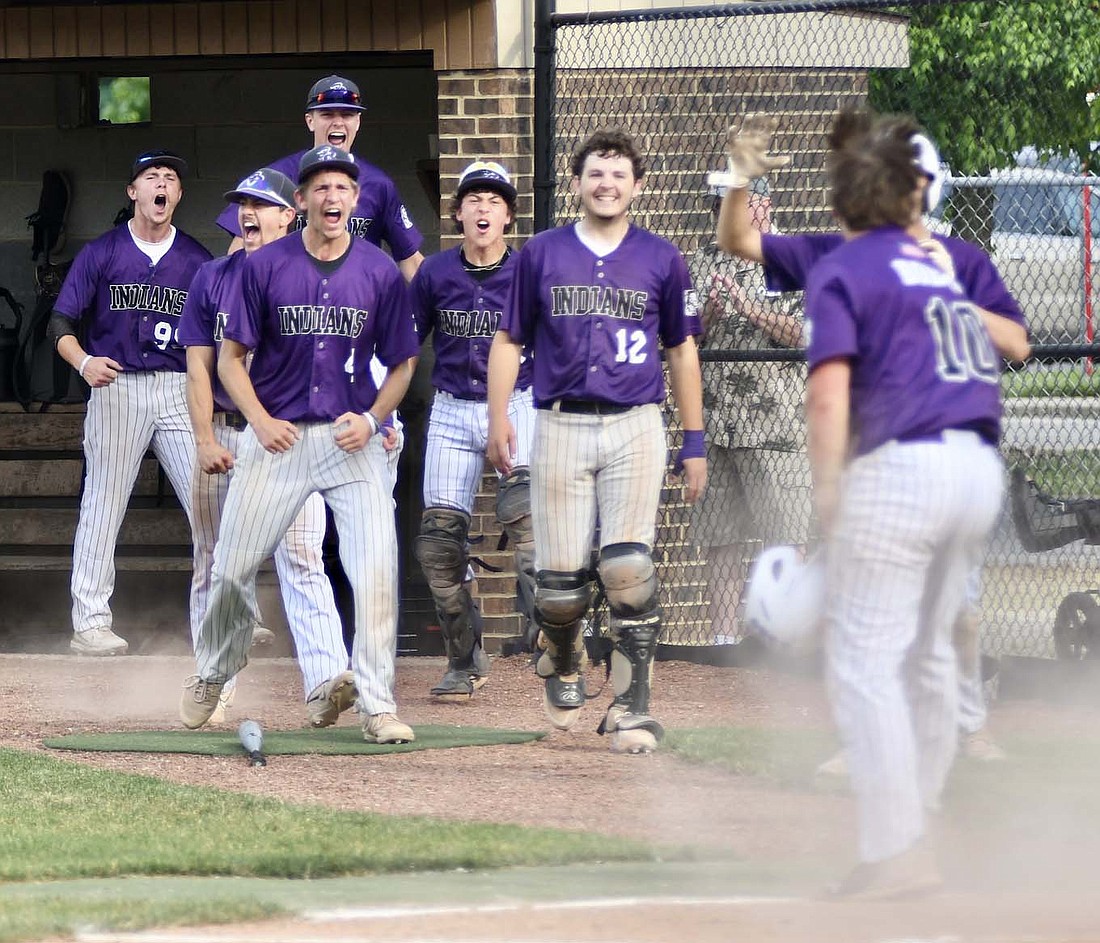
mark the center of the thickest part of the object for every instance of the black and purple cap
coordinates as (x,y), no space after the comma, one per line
(158,158)
(265,184)
(334,91)
(326,157)
(486,175)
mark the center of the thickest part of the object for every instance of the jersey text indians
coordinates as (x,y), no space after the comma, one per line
(321,319)
(578,300)
(143,297)
(468,323)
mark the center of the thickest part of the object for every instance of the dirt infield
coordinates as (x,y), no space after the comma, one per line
(1043,890)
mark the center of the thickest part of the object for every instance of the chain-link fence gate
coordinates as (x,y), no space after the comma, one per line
(676,79)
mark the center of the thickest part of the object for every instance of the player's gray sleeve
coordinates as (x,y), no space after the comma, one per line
(58,326)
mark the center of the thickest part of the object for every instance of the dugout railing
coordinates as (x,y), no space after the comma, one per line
(676,79)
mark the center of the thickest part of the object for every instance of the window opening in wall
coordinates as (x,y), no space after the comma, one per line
(124,99)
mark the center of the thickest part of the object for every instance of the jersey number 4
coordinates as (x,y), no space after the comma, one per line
(630,346)
(963,349)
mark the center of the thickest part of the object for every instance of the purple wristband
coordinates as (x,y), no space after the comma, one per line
(694,446)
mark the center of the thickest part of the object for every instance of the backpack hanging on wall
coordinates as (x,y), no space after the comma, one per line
(40,375)
(48,221)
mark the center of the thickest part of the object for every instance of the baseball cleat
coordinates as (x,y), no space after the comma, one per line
(262,636)
(631,733)
(386,728)
(459,684)
(980,746)
(225,701)
(562,699)
(98,642)
(199,701)
(330,699)
(833,772)
(913,873)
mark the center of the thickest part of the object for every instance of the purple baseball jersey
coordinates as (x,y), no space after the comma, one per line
(594,322)
(379,216)
(206,310)
(464,314)
(921,359)
(314,329)
(788,260)
(130,307)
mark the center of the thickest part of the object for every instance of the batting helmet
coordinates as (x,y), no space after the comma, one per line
(786,596)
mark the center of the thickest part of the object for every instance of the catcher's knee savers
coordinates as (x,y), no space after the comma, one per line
(441,550)
(561,601)
(514,512)
(630,582)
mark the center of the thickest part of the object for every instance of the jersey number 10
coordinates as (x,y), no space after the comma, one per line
(963,349)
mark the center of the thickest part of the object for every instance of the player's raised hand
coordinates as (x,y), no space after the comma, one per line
(351,431)
(214,458)
(500,447)
(937,251)
(747,147)
(101,371)
(275,435)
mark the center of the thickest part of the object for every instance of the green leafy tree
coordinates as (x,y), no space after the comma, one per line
(987,78)
(124,100)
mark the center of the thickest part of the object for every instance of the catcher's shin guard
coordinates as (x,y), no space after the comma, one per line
(561,600)
(441,550)
(514,512)
(627,720)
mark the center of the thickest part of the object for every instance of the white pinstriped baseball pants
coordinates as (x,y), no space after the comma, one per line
(458,432)
(307,593)
(586,468)
(266,494)
(914,519)
(136,411)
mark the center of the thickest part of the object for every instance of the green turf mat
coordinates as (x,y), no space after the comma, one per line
(330,740)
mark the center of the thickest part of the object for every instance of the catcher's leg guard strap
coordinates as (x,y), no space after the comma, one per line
(561,600)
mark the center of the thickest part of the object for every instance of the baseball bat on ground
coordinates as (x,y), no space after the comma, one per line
(252,739)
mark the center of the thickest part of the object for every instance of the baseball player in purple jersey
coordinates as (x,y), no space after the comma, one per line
(126,291)
(595,300)
(266,207)
(458,298)
(787,262)
(314,307)
(334,108)
(903,407)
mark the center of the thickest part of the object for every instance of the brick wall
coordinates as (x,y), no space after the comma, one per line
(679,119)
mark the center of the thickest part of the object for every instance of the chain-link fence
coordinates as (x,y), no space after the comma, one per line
(676,79)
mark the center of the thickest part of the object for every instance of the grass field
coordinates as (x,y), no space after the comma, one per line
(1052,381)
(81,847)
(61,821)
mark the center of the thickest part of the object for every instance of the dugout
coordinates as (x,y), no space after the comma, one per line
(226,87)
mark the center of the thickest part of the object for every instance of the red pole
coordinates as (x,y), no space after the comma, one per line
(1087,190)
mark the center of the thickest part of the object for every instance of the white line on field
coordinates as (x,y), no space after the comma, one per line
(390,913)
(608,903)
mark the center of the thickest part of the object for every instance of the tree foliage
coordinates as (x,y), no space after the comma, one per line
(124,100)
(987,78)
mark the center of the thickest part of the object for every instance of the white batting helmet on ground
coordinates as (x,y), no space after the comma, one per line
(786,596)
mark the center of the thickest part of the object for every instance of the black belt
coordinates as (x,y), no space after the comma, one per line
(589,407)
(233,419)
(981,431)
